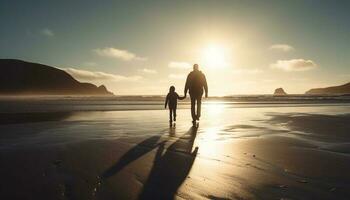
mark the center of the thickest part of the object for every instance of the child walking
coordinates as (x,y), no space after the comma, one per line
(171,101)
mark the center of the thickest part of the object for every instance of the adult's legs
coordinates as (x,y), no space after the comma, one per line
(193,105)
(199,104)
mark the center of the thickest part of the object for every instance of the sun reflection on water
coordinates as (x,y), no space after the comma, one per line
(209,135)
(214,108)
(206,142)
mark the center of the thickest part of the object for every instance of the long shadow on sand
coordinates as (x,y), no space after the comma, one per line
(133,154)
(171,167)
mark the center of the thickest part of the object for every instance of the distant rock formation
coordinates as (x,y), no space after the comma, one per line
(342,89)
(279,92)
(24,78)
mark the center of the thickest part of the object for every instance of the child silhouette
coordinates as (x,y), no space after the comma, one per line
(171,101)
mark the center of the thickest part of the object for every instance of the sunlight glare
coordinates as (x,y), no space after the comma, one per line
(214,56)
(207,144)
(214,108)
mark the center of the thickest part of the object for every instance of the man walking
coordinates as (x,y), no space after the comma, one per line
(195,83)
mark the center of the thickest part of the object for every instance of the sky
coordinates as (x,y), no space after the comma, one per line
(143,47)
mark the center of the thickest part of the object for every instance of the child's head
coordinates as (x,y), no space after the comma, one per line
(172,89)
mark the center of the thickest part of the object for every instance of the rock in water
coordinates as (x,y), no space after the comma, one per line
(279,92)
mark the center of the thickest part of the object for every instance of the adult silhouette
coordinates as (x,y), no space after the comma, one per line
(195,83)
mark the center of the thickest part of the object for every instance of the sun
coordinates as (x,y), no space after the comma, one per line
(214,56)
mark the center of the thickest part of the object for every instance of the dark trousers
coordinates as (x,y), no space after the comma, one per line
(172,114)
(194,99)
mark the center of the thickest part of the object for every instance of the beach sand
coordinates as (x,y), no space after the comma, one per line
(296,152)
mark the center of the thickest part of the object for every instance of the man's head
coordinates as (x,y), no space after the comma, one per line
(195,67)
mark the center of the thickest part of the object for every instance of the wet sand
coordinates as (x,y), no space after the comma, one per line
(234,153)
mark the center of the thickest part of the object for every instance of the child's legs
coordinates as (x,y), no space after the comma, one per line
(174,113)
(170,114)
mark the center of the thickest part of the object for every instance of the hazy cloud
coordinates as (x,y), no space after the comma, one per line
(47,32)
(177,76)
(269,80)
(148,71)
(90,64)
(344,75)
(294,65)
(282,47)
(179,65)
(118,53)
(84,75)
(247,71)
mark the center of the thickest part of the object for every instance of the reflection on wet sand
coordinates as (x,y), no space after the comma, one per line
(20,118)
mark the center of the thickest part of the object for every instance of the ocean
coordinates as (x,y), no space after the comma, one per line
(15,104)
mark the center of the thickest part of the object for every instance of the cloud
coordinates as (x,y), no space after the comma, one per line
(282,47)
(148,71)
(118,53)
(177,76)
(90,64)
(179,65)
(84,75)
(344,75)
(269,80)
(294,65)
(247,71)
(47,32)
